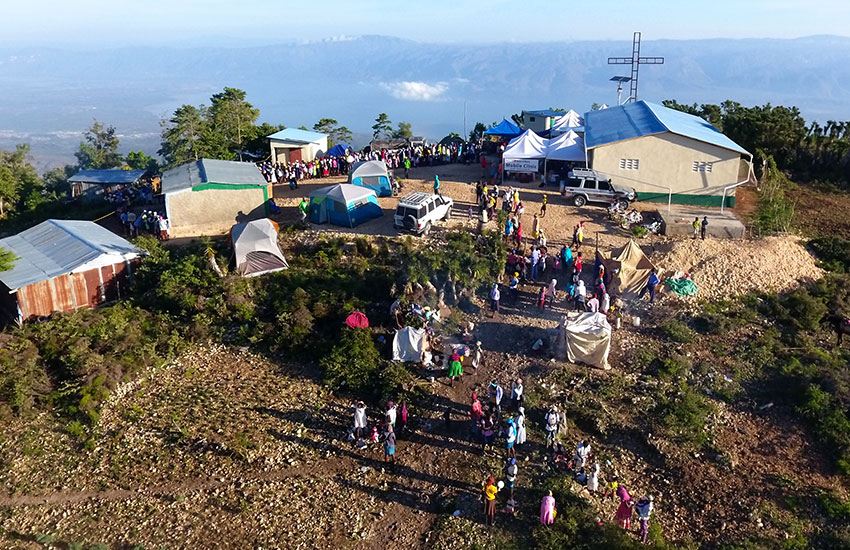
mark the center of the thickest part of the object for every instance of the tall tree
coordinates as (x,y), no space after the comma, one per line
(56,181)
(233,118)
(517,118)
(182,134)
(139,160)
(403,131)
(383,127)
(336,134)
(477,132)
(257,144)
(100,148)
(20,186)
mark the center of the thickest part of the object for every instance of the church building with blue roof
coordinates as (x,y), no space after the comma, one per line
(657,150)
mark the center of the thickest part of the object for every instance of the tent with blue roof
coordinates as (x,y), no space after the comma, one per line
(338,150)
(665,154)
(373,175)
(506,128)
(344,204)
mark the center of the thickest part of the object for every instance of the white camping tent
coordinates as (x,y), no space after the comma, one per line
(568,146)
(570,119)
(408,344)
(256,249)
(527,145)
(586,337)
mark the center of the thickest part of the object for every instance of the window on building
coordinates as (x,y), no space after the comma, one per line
(629,164)
(531,119)
(700,166)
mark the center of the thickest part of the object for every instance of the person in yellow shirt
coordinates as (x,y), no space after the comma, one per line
(489,489)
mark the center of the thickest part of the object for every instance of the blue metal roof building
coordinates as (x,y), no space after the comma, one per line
(634,120)
(297,136)
(665,154)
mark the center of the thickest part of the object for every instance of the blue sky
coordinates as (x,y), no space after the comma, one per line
(150,22)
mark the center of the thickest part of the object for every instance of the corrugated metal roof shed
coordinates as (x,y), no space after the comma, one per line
(295,135)
(107,176)
(546,112)
(58,247)
(639,119)
(225,172)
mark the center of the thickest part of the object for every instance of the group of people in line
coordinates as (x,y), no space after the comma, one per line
(148,221)
(402,158)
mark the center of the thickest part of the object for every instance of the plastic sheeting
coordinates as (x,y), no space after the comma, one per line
(586,338)
(357,320)
(408,344)
(633,269)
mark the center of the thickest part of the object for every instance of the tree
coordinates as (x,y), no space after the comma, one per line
(403,131)
(336,134)
(477,132)
(383,127)
(20,185)
(56,181)
(182,135)
(257,143)
(517,119)
(233,118)
(139,160)
(353,361)
(100,148)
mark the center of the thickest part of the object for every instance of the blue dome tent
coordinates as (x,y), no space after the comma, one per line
(373,175)
(505,128)
(344,204)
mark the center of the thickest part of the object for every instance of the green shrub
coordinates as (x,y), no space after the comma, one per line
(833,251)
(674,366)
(677,331)
(684,415)
(639,231)
(353,361)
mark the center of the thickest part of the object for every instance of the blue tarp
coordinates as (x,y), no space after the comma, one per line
(504,128)
(373,175)
(338,150)
(344,204)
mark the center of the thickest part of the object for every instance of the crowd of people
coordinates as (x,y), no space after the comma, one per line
(148,221)
(403,158)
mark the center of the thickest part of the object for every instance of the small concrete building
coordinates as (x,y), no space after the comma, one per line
(539,121)
(293,145)
(90,185)
(64,265)
(658,150)
(207,197)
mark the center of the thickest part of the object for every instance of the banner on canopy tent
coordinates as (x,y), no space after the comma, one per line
(522,165)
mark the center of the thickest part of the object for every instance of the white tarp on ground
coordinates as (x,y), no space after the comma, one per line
(570,119)
(256,249)
(568,146)
(587,339)
(408,344)
(527,145)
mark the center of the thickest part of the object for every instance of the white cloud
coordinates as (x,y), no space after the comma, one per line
(416,91)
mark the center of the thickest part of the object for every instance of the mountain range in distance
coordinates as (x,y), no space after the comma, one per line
(51,95)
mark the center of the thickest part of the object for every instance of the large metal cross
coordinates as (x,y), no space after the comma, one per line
(635,61)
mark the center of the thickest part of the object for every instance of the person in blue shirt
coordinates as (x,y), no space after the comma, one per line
(650,286)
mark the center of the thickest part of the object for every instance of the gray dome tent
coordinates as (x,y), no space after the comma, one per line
(256,249)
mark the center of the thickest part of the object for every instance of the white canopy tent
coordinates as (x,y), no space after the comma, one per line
(568,146)
(527,145)
(570,120)
(256,249)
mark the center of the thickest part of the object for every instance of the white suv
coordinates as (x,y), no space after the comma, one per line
(417,211)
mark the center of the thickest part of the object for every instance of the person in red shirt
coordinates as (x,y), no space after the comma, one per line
(475,414)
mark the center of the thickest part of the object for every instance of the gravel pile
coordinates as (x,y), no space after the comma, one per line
(723,268)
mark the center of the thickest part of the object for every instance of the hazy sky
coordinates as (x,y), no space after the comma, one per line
(127,22)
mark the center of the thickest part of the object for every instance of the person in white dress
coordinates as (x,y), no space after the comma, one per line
(359,419)
(520,427)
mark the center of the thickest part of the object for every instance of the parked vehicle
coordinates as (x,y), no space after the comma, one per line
(418,211)
(583,186)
